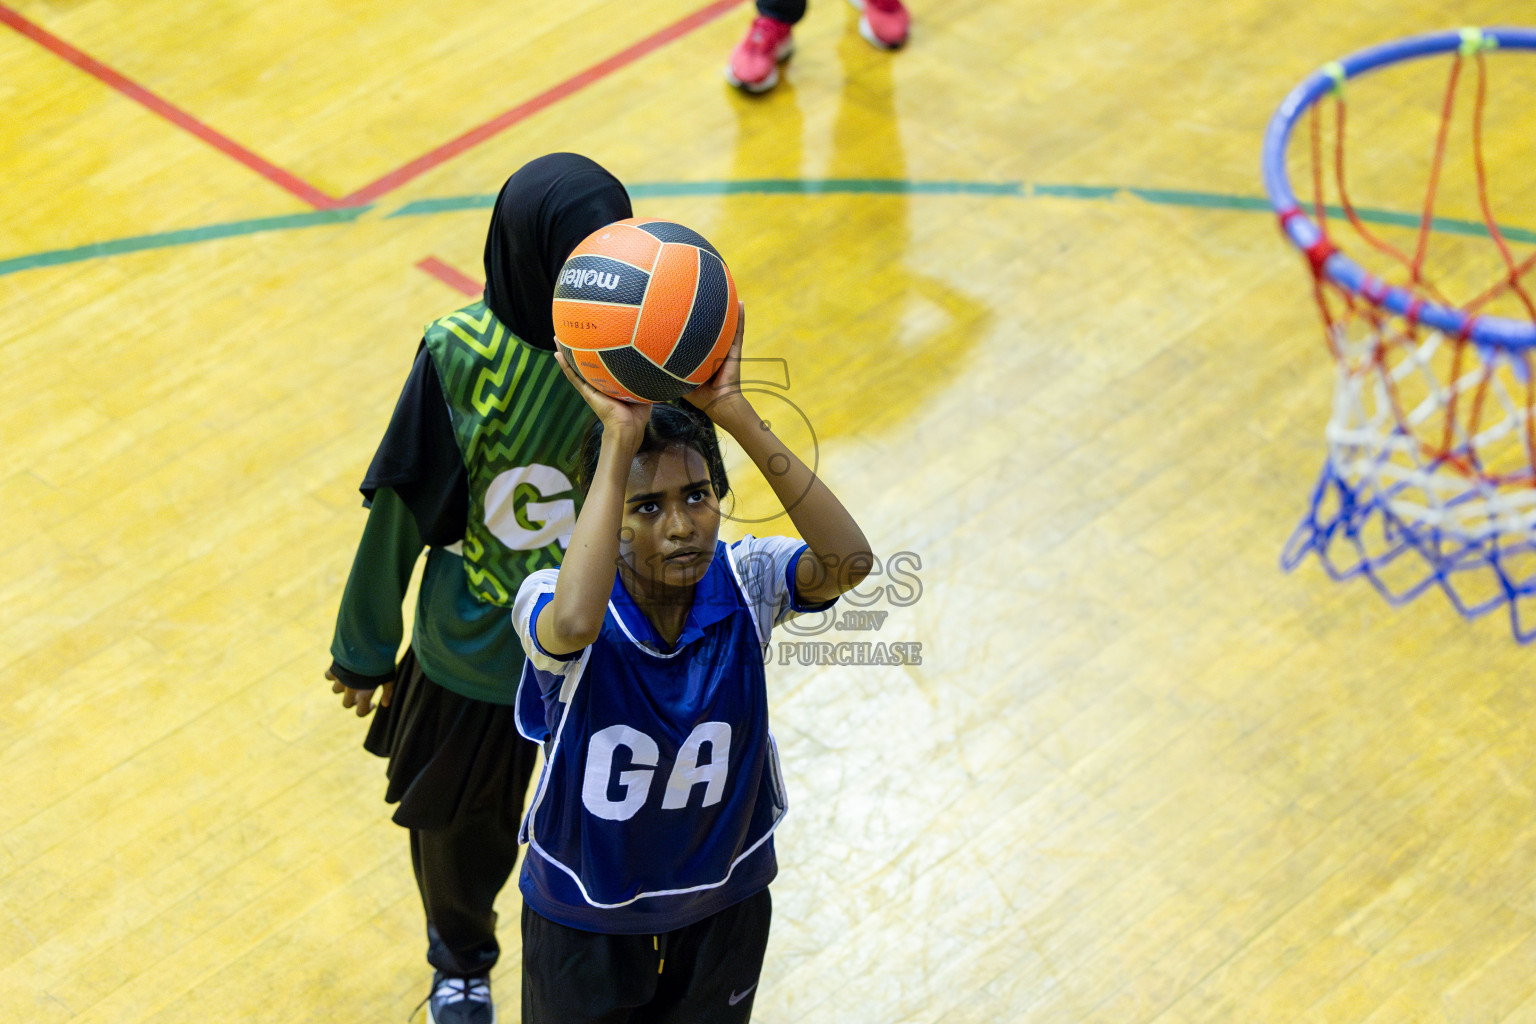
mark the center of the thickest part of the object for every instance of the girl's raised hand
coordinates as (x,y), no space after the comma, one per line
(726,383)
(614,413)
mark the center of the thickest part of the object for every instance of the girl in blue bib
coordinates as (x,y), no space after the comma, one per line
(650,833)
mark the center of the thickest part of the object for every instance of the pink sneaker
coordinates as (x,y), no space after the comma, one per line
(885,22)
(754,65)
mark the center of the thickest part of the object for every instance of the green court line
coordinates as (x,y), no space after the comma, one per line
(1202,200)
(451,204)
(187,236)
(1445,225)
(828,186)
(1076,191)
(764,186)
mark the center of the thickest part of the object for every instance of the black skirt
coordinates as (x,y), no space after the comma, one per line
(449,756)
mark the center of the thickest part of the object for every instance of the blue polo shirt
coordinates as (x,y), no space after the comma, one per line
(661,786)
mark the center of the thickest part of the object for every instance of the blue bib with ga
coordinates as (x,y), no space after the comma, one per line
(661,788)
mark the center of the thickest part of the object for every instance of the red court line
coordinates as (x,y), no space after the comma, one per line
(426,162)
(451,277)
(393,180)
(175,115)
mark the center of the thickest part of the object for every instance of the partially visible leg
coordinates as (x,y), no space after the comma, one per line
(754,64)
(884,23)
(459,771)
(578,977)
(713,968)
(461,867)
(788,11)
(460,870)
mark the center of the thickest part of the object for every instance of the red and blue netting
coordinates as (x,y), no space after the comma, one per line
(1430,477)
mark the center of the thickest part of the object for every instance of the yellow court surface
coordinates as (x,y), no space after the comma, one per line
(1016,290)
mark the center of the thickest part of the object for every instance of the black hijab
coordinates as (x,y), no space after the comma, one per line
(543,212)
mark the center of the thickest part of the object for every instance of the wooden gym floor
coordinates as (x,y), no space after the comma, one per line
(1043,343)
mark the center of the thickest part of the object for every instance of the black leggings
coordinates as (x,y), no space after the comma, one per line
(459,871)
(782,10)
(706,973)
(459,771)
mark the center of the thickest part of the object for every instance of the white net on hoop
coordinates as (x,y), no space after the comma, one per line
(1424,462)
(1429,473)
(1430,469)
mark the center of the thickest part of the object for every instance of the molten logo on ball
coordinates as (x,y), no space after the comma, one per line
(575,277)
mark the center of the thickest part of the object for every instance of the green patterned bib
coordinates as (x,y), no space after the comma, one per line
(518,424)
